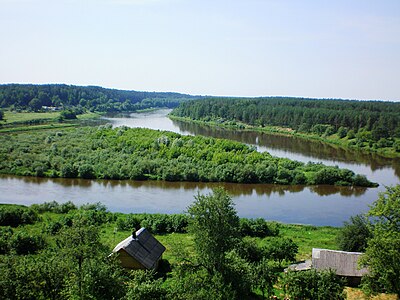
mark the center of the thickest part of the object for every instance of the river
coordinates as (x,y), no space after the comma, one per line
(316,205)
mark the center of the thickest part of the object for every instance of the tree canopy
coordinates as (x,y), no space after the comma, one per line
(317,115)
(34,97)
(382,255)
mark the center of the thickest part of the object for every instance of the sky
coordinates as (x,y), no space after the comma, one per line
(306,48)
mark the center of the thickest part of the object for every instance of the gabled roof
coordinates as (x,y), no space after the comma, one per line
(145,248)
(344,263)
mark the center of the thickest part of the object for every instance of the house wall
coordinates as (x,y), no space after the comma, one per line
(128,261)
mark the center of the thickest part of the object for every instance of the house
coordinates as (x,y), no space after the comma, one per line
(140,250)
(344,263)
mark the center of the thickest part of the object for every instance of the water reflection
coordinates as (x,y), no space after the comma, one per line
(313,150)
(234,189)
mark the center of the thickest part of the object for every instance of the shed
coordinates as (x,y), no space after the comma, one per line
(344,263)
(141,250)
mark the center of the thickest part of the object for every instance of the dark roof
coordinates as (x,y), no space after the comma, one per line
(145,248)
(344,263)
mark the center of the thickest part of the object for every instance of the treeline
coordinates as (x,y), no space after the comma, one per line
(368,121)
(93,98)
(142,154)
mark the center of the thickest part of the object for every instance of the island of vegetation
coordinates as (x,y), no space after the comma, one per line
(372,126)
(59,251)
(141,154)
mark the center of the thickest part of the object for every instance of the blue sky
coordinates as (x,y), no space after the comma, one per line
(327,49)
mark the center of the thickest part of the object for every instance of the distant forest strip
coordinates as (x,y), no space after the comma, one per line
(370,125)
(142,154)
(36,97)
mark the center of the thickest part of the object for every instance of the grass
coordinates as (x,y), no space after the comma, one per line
(23,117)
(28,121)
(308,237)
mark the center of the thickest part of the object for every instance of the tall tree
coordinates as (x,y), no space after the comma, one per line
(383,253)
(214,225)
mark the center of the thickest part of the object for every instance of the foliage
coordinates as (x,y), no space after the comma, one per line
(189,283)
(312,284)
(314,114)
(258,228)
(22,243)
(265,275)
(35,97)
(280,249)
(373,124)
(382,255)
(54,207)
(144,285)
(14,216)
(214,225)
(142,154)
(354,235)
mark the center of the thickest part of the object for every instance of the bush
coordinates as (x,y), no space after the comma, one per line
(280,249)
(310,284)
(17,215)
(5,235)
(258,228)
(23,243)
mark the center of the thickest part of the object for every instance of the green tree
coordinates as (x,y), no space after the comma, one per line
(265,275)
(1,115)
(382,255)
(214,225)
(354,235)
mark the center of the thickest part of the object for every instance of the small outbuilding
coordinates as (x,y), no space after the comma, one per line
(344,263)
(141,250)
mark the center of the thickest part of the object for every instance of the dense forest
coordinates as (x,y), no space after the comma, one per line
(366,123)
(141,154)
(93,98)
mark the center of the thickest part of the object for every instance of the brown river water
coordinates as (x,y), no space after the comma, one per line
(316,205)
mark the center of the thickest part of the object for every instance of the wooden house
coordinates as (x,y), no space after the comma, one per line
(344,263)
(140,251)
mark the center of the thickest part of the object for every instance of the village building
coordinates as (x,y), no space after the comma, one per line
(141,250)
(344,263)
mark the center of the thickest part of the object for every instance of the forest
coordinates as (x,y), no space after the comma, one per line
(359,124)
(61,251)
(143,154)
(36,97)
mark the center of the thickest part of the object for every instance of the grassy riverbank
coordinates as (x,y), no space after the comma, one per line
(334,139)
(37,121)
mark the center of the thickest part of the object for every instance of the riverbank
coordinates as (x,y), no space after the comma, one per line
(36,121)
(334,140)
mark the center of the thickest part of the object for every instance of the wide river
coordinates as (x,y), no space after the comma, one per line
(317,205)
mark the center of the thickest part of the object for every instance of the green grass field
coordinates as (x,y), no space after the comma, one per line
(22,117)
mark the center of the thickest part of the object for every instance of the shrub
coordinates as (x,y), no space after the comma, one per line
(17,215)
(280,249)
(310,284)
(23,243)
(258,228)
